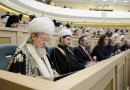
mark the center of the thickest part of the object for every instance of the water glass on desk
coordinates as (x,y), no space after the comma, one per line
(95,58)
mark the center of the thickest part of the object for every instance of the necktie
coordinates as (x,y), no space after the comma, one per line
(88,55)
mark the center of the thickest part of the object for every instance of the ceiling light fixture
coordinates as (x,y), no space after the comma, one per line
(104,0)
(114,1)
(125,1)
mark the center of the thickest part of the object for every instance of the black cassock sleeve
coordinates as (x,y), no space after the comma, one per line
(60,62)
(18,63)
(64,65)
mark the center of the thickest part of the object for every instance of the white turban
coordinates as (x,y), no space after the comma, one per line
(64,32)
(42,24)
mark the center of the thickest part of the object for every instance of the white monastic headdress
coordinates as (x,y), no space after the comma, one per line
(64,32)
(40,24)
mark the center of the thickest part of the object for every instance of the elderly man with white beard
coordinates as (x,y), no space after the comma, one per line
(30,58)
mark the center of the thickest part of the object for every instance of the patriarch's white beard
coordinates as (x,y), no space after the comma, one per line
(41,52)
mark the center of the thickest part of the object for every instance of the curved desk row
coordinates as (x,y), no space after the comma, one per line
(109,74)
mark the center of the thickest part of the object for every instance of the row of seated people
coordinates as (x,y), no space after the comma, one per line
(92,32)
(31,58)
(13,21)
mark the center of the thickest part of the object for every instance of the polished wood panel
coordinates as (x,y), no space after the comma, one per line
(5,40)
(108,74)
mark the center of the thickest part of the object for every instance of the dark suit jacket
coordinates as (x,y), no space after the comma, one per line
(81,54)
(101,52)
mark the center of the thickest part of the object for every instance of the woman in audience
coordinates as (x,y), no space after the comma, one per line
(100,50)
(13,21)
(64,60)
(30,58)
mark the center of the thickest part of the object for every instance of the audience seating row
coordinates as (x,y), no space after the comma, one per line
(6,50)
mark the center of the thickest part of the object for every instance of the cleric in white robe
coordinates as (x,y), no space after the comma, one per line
(30,58)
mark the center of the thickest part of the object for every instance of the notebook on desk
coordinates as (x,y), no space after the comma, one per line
(62,76)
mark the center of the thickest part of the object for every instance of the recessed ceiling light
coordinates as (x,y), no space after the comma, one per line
(114,1)
(104,0)
(125,1)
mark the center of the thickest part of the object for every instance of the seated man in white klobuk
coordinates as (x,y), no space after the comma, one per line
(64,60)
(30,58)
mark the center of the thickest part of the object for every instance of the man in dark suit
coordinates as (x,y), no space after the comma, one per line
(82,51)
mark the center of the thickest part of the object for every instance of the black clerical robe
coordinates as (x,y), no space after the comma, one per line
(22,62)
(65,61)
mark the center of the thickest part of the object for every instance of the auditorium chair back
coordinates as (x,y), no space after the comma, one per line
(6,50)
(72,48)
(50,49)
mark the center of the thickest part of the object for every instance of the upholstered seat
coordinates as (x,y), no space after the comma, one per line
(72,48)
(50,49)
(88,48)
(5,51)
